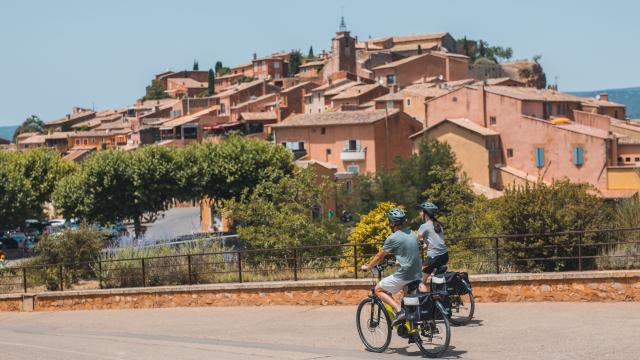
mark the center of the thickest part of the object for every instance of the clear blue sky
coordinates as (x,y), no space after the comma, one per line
(59,54)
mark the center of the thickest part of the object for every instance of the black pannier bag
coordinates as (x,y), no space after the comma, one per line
(412,305)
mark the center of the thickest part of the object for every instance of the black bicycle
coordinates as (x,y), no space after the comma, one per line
(427,323)
(457,285)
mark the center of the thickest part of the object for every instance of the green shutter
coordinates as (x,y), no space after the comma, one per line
(539,157)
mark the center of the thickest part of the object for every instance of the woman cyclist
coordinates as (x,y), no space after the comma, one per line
(403,244)
(432,233)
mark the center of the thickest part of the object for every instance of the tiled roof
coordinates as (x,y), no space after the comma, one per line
(335,118)
(238,88)
(295,87)
(26,135)
(399,62)
(314,63)
(417,37)
(97,133)
(34,139)
(603,103)
(75,154)
(71,117)
(355,91)
(251,116)
(306,163)
(628,140)
(122,124)
(332,85)
(463,123)
(338,89)
(188,82)
(186,119)
(532,94)
(497,81)
(57,135)
(250,101)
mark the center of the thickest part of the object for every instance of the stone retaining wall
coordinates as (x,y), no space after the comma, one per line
(584,286)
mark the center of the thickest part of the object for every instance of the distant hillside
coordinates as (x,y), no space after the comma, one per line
(630,97)
(6,132)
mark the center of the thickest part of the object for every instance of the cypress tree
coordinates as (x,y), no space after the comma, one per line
(196,67)
(311,55)
(212,82)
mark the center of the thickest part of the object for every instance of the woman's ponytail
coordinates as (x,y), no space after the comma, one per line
(437,226)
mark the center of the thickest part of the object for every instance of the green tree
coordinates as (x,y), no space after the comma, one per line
(196,67)
(540,208)
(16,196)
(31,124)
(311,55)
(153,172)
(278,214)
(212,82)
(295,60)
(419,49)
(106,185)
(369,234)
(155,91)
(218,66)
(224,170)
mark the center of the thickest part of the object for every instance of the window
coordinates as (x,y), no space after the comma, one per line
(85,142)
(276,65)
(348,185)
(255,67)
(354,169)
(627,159)
(222,109)
(549,109)
(389,104)
(539,157)
(277,75)
(351,145)
(294,145)
(615,114)
(492,120)
(509,153)
(328,151)
(77,141)
(391,79)
(637,159)
(620,159)
(455,99)
(264,66)
(323,131)
(93,140)
(316,212)
(408,102)
(578,156)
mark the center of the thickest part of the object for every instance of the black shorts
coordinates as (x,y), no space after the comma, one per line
(432,263)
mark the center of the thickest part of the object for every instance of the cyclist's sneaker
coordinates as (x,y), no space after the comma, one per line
(400,318)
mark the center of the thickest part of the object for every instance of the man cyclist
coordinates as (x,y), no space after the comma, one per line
(403,244)
(433,234)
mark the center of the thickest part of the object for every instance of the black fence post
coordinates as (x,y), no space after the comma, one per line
(144,273)
(189,269)
(355,260)
(61,278)
(24,278)
(100,274)
(497,255)
(295,264)
(580,252)
(239,266)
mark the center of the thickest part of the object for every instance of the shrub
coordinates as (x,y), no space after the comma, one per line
(369,234)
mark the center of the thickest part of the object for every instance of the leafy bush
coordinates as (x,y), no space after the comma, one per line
(369,234)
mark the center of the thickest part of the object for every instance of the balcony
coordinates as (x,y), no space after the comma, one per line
(353,155)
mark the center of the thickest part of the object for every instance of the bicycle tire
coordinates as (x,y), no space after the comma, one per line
(387,324)
(434,353)
(466,319)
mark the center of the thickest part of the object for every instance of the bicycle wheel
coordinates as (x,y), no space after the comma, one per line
(374,325)
(462,308)
(434,336)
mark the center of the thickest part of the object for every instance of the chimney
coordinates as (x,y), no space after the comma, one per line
(603,97)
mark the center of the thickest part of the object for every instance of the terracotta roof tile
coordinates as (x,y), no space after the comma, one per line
(335,118)
(355,91)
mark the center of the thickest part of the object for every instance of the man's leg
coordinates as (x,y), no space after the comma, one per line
(387,298)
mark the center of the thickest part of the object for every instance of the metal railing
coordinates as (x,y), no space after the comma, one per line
(561,251)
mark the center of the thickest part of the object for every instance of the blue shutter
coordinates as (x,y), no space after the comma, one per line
(578,156)
(539,157)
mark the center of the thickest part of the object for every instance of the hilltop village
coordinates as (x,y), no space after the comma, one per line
(353,110)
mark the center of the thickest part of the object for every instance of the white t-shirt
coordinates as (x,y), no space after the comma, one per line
(433,239)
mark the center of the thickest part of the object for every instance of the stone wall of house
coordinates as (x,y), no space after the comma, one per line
(608,286)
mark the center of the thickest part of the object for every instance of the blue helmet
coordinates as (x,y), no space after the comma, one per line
(430,208)
(396,216)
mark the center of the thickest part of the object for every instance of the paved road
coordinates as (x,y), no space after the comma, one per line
(502,331)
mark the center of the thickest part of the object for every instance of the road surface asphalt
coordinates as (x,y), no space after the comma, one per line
(500,331)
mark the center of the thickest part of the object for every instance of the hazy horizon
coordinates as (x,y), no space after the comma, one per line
(57,55)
